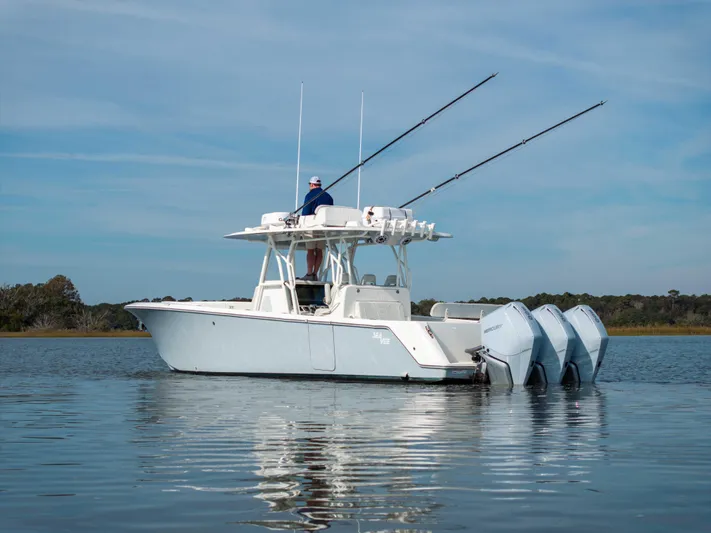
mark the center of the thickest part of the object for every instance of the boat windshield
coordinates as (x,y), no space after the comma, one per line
(378,265)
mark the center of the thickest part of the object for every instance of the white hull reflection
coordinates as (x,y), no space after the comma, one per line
(315,453)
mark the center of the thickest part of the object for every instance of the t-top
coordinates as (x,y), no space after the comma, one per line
(310,207)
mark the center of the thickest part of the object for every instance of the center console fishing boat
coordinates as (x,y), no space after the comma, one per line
(356,323)
(351,324)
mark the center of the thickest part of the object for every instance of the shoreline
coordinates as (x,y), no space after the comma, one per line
(71,333)
(638,331)
(619,331)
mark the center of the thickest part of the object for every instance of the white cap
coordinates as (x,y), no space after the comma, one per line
(315,180)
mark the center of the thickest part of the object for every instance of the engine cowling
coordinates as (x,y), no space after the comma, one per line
(511,339)
(590,342)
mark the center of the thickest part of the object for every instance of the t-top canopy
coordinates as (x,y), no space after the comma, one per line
(381,225)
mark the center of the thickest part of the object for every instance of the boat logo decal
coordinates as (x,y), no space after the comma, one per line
(379,335)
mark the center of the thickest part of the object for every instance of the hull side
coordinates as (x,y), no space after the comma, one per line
(191,341)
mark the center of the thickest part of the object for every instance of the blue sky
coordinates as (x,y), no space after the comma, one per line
(134,134)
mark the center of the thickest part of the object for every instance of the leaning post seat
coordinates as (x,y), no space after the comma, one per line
(368,279)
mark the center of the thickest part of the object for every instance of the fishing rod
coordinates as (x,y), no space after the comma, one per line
(489,160)
(396,139)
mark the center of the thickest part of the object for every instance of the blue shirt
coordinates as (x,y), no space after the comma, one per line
(310,207)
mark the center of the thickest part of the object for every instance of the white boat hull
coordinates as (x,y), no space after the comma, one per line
(251,343)
(504,347)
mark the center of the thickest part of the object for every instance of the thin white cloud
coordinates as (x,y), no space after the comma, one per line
(13,256)
(626,70)
(169,160)
(139,10)
(230,64)
(20,111)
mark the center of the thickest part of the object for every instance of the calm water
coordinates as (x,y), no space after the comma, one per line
(97,435)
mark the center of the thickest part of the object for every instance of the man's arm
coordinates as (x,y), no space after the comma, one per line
(309,207)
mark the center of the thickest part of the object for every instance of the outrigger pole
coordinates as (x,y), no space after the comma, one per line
(360,146)
(489,160)
(399,137)
(298,146)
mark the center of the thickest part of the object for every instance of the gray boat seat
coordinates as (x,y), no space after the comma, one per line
(391,280)
(368,279)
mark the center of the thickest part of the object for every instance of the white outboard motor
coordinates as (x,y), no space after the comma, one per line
(590,343)
(557,344)
(510,342)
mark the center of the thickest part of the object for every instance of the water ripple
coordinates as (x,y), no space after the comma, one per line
(104,437)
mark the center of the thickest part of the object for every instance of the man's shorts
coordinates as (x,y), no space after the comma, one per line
(313,245)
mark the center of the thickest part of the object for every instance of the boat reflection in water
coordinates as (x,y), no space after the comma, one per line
(322,452)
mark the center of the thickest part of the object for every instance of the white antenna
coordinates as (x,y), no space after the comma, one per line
(298,148)
(360,147)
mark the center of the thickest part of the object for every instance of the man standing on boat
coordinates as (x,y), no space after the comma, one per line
(314,250)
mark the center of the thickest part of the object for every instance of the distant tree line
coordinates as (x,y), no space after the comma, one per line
(56,304)
(629,310)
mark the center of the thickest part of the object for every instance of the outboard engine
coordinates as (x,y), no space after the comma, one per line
(590,344)
(511,339)
(557,345)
